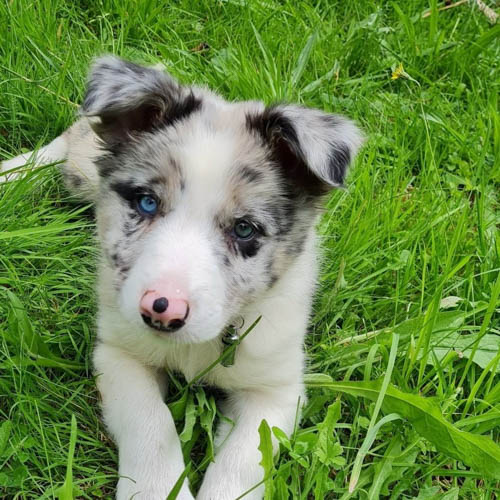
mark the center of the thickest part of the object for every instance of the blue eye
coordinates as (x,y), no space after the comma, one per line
(147,205)
(243,229)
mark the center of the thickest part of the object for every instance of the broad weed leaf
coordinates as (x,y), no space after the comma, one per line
(478,452)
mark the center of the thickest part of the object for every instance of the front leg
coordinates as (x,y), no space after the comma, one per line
(236,467)
(150,454)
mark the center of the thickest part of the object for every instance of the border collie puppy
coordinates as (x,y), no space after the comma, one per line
(206,213)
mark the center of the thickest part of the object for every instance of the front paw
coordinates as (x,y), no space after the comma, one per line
(224,488)
(128,489)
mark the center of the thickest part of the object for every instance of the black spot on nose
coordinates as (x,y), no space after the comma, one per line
(160,305)
(175,324)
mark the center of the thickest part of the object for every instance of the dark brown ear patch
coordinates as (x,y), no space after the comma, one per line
(129,99)
(278,132)
(114,127)
(313,148)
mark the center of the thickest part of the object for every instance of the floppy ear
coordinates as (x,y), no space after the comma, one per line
(129,99)
(314,148)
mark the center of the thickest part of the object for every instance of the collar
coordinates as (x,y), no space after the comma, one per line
(230,339)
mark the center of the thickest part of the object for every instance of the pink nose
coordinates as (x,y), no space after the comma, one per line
(164,311)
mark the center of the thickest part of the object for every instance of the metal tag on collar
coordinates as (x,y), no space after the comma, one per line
(230,340)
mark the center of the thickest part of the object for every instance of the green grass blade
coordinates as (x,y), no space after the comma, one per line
(174,492)
(68,491)
(373,427)
(267,462)
(365,447)
(304,56)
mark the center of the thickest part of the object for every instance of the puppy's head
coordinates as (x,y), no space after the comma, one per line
(204,203)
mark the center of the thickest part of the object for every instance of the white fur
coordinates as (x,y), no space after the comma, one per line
(53,152)
(77,148)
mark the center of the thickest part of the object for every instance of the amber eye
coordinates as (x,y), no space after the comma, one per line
(243,229)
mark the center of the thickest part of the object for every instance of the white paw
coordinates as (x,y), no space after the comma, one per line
(228,490)
(128,489)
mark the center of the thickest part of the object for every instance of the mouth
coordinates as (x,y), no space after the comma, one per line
(173,326)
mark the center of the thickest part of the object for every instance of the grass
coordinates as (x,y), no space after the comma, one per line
(409,288)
